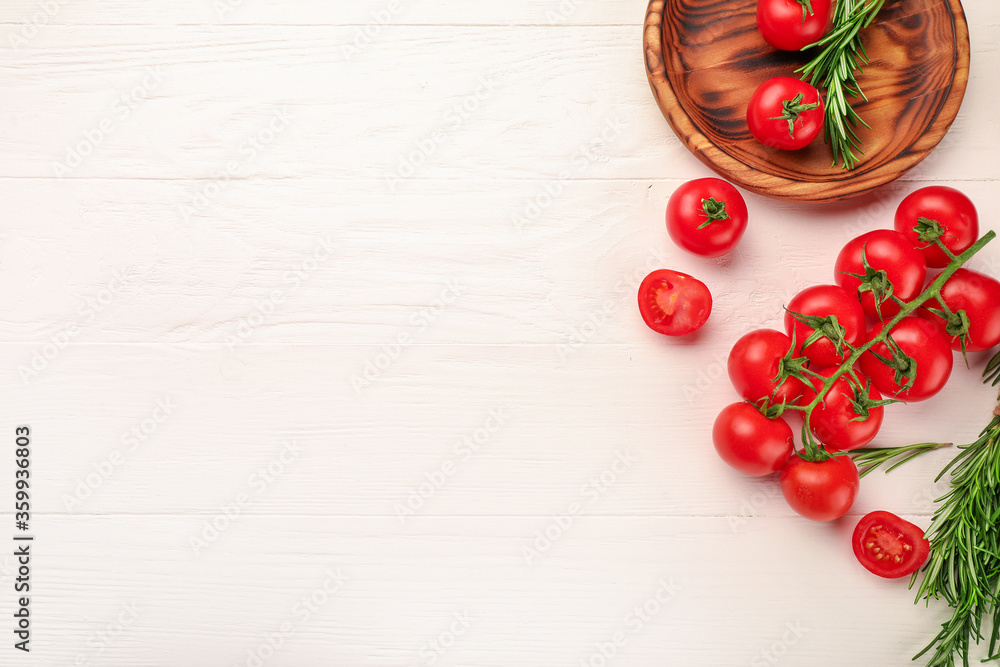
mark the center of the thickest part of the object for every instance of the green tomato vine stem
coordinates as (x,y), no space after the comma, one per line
(813,451)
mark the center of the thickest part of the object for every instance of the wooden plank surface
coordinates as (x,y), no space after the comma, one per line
(320,320)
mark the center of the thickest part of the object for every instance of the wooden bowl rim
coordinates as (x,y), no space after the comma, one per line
(775,185)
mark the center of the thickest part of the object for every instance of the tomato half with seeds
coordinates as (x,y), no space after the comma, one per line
(894,269)
(844,420)
(785,113)
(926,344)
(978,296)
(673,303)
(750,442)
(754,364)
(820,490)
(820,304)
(792,25)
(888,546)
(706,216)
(941,212)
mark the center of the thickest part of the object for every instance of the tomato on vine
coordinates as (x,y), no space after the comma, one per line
(750,442)
(942,213)
(916,367)
(849,416)
(820,490)
(792,25)
(881,266)
(706,216)
(673,303)
(972,319)
(826,320)
(756,362)
(785,113)
(889,546)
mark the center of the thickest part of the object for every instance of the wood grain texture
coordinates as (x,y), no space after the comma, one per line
(547,226)
(705,58)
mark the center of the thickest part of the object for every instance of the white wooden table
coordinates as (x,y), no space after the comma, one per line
(322,317)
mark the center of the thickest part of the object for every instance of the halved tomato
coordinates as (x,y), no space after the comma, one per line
(889,546)
(673,303)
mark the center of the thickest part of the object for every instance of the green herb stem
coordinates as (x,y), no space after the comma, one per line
(841,57)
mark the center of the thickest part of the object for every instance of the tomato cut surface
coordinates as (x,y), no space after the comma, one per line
(673,303)
(889,546)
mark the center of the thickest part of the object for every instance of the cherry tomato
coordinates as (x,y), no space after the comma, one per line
(754,364)
(889,546)
(792,25)
(922,341)
(823,301)
(897,269)
(750,442)
(978,295)
(785,113)
(837,422)
(938,211)
(673,303)
(821,491)
(706,216)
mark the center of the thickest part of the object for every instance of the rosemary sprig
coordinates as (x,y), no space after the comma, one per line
(964,563)
(841,57)
(869,458)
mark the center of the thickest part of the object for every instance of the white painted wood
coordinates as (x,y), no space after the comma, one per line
(175,396)
(22,13)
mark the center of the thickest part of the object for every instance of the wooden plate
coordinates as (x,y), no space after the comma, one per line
(704,58)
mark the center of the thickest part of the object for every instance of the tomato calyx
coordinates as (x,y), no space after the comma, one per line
(928,231)
(862,401)
(807,9)
(904,366)
(823,327)
(957,325)
(714,210)
(875,281)
(931,232)
(790,109)
(792,366)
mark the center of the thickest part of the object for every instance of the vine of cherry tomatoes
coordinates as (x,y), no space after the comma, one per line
(877,275)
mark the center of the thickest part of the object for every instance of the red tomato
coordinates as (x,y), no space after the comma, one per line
(823,301)
(946,213)
(837,422)
(922,341)
(979,296)
(792,25)
(897,269)
(785,113)
(754,364)
(673,303)
(821,491)
(889,546)
(750,442)
(706,216)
